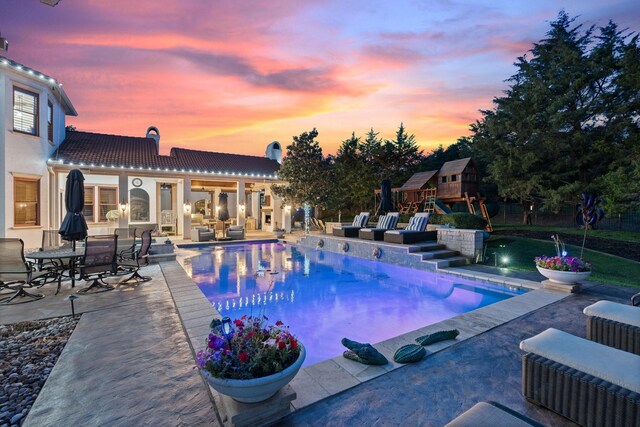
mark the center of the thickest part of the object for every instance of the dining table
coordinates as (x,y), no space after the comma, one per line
(62,255)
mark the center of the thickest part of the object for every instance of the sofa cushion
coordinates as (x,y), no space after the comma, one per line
(610,364)
(614,311)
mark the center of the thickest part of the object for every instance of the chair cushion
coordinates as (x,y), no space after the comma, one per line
(610,364)
(356,221)
(614,311)
(236,228)
(382,221)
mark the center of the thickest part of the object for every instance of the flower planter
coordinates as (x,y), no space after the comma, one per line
(564,277)
(279,234)
(256,389)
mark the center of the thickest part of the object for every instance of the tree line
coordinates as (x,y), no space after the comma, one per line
(569,123)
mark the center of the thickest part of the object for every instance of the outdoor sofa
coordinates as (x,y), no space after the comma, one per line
(236,232)
(385,223)
(415,231)
(613,324)
(491,414)
(202,234)
(360,221)
(589,383)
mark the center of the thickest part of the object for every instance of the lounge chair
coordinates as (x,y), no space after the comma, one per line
(202,234)
(98,261)
(415,231)
(385,223)
(16,273)
(615,325)
(360,221)
(492,414)
(589,383)
(137,260)
(236,232)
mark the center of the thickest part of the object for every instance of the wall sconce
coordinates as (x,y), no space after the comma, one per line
(287,208)
(241,208)
(187,207)
(123,206)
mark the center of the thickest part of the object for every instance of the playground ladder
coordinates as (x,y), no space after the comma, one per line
(430,199)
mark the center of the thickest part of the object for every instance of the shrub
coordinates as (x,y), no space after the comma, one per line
(459,220)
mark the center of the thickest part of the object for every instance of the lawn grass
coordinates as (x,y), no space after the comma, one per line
(627,236)
(522,251)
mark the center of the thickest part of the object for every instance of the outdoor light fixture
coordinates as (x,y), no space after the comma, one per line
(241,207)
(226,328)
(72,298)
(287,208)
(187,207)
(505,260)
(123,206)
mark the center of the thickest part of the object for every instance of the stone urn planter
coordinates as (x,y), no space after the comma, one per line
(279,233)
(564,277)
(256,389)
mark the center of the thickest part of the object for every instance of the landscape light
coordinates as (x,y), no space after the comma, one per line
(226,327)
(505,260)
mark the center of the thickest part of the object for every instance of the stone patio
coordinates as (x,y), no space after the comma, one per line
(130,360)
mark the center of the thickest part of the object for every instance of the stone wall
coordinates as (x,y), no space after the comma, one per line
(467,242)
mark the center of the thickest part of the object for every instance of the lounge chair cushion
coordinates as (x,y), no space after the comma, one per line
(622,313)
(383,221)
(615,366)
(418,222)
(356,221)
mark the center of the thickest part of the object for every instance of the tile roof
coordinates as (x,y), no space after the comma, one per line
(128,151)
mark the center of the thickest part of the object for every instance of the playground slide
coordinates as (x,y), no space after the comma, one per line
(441,208)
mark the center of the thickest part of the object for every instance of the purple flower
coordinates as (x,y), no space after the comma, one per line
(215,342)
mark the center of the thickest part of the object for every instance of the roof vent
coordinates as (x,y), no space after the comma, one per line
(154,133)
(274,151)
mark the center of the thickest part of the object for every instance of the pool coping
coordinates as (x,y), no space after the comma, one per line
(330,377)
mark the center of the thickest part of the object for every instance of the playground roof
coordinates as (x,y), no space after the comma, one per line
(418,181)
(454,167)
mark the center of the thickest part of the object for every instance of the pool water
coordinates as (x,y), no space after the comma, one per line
(324,296)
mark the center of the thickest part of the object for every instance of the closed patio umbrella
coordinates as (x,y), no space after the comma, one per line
(386,202)
(223,211)
(74,226)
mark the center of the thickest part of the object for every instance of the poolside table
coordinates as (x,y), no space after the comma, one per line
(61,255)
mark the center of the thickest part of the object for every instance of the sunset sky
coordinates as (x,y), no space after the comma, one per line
(233,76)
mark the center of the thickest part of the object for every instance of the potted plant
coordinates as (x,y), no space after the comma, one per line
(563,269)
(250,361)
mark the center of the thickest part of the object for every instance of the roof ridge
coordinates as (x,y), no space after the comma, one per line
(111,134)
(219,152)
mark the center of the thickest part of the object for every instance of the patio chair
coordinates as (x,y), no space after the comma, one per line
(613,324)
(360,221)
(236,232)
(137,261)
(385,223)
(589,383)
(492,414)
(415,231)
(202,234)
(126,242)
(98,261)
(635,300)
(51,240)
(16,273)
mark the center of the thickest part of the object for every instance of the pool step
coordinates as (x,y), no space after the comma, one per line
(449,262)
(426,246)
(439,253)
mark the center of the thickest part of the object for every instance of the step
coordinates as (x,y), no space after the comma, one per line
(455,261)
(426,247)
(440,253)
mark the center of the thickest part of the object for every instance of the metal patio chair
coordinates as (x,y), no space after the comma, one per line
(138,259)
(98,261)
(16,273)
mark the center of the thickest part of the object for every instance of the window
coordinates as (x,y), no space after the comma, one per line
(26,196)
(89,204)
(25,111)
(139,200)
(444,179)
(454,178)
(50,122)
(107,201)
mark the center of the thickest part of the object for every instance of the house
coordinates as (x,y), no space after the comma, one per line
(128,183)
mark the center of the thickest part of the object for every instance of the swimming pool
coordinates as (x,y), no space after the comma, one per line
(325,296)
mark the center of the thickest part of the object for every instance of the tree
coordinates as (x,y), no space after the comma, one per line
(565,118)
(305,171)
(351,173)
(402,157)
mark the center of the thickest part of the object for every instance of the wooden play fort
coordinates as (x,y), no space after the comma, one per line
(437,190)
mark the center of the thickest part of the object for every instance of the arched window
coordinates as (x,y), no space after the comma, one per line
(139,202)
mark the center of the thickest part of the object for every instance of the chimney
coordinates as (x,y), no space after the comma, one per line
(154,133)
(274,151)
(4,44)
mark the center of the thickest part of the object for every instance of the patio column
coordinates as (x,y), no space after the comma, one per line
(241,211)
(186,206)
(123,193)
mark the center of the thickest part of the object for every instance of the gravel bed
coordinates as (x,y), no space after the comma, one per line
(28,351)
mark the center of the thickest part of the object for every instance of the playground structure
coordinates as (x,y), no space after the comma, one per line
(437,190)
